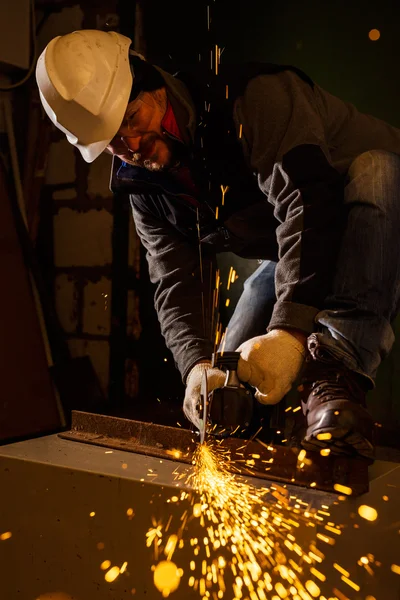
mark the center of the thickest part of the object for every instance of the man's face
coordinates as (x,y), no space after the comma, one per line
(140,140)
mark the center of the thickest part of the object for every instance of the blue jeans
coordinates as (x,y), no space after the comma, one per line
(355,323)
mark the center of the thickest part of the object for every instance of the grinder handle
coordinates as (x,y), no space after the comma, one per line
(227,361)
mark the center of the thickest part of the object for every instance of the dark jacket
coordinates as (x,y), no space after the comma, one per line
(281,146)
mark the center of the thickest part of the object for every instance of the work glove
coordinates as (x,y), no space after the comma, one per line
(271,364)
(215,379)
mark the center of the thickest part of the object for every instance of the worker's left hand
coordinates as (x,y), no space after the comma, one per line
(271,364)
(215,379)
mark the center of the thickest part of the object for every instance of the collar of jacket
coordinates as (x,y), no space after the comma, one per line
(182,106)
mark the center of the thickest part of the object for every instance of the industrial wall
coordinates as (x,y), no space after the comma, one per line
(76,214)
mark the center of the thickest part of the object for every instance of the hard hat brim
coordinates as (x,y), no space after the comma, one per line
(88,120)
(92,151)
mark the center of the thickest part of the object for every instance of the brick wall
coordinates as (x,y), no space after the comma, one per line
(77,226)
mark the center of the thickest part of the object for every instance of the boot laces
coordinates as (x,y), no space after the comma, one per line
(329,382)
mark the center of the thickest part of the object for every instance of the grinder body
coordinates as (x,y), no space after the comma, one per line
(229,409)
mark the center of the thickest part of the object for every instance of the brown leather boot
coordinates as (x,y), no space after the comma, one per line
(333,399)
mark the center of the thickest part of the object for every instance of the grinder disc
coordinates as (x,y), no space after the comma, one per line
(203,408)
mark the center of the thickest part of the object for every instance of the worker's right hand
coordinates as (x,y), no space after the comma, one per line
(271,363)
(215,379)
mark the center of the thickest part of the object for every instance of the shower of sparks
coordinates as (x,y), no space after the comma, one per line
(301,455)
(340,594)
(123,568)
(218,333)
(367,512)
(201,270)
(324,436)
(350,583)
(215,303)
(396,569)
(167,577)
(341,570)
(224,189)
(343,489)
(223,341)
(229,278)
(325,452)
(112,574)
(246,545)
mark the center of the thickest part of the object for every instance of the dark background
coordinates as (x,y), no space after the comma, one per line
(329,40)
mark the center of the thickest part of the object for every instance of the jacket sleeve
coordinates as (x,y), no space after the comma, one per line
(183,288)
(283,136)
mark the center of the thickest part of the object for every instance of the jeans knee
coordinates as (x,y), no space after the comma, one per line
(376,163)
(263,277)
(374,179)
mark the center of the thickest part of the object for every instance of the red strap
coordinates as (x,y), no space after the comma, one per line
(169,123)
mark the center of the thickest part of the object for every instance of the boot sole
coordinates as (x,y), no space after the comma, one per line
(349,425)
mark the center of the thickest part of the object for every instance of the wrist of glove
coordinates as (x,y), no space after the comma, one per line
(271,363)
(215,379)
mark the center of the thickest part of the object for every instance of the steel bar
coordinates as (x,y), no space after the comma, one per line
(248,458)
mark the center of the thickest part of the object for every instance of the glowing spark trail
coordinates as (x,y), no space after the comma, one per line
(246,547)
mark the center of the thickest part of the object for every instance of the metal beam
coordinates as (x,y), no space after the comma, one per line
(249,457)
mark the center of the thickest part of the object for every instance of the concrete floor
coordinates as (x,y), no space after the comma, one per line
(50,488)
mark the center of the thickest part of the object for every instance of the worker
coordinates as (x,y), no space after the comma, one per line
(260,161)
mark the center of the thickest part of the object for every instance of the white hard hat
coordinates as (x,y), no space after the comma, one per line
(85,80)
